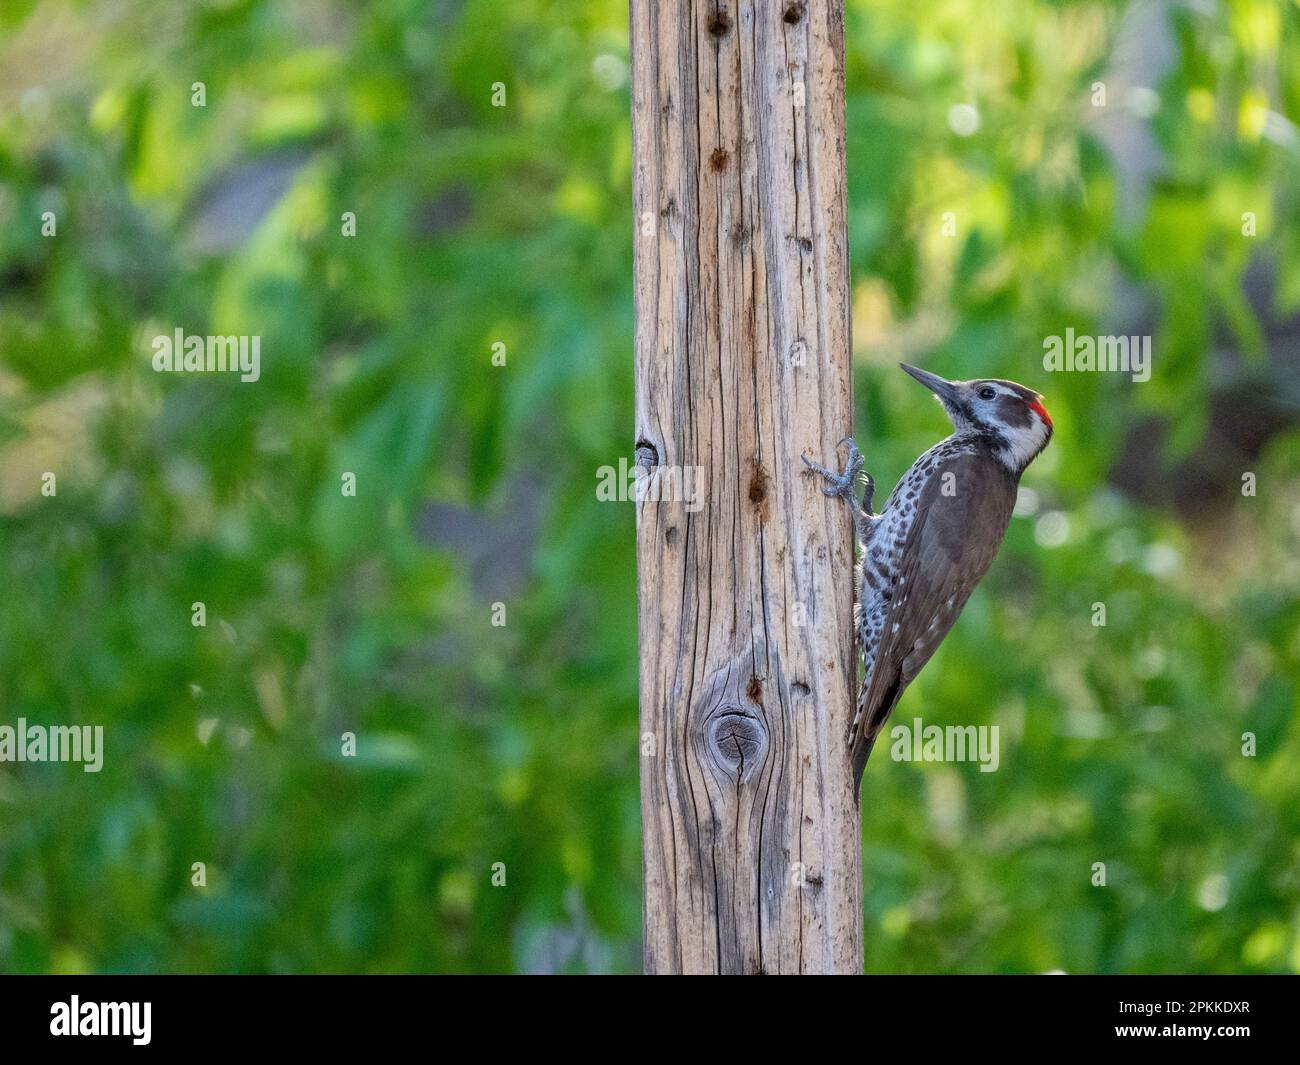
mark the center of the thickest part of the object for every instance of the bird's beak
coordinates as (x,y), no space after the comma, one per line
(945,390)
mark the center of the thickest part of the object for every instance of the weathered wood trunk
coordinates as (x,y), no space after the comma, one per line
(751,834)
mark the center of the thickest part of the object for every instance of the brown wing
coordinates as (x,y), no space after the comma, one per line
(949,548)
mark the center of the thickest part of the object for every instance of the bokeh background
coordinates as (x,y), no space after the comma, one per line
(1119,213)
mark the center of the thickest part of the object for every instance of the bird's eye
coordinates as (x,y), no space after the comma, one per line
(987,393)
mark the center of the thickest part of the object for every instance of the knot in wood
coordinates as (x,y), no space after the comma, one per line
(737,740)
(647,455)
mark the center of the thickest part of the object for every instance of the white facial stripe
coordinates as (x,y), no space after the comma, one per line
(1023,444)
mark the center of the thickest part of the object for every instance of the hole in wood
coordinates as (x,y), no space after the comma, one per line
(647,455)
(793,13)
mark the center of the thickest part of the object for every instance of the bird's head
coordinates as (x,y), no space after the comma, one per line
(1009,416)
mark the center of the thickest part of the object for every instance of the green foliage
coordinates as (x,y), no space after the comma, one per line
(479,744)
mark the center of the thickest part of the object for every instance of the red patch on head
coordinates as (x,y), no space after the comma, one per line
(1037,407)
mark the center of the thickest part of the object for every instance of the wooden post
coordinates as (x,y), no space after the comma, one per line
(751,832)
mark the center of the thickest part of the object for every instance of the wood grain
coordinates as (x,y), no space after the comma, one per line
(751,834)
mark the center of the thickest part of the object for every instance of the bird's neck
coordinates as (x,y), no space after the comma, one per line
(1009,455)
(1012,451)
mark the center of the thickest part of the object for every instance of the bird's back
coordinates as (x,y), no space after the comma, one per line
(935,539)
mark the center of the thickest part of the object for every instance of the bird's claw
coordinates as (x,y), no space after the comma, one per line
(841,484)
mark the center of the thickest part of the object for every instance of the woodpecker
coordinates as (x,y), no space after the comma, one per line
(921,557)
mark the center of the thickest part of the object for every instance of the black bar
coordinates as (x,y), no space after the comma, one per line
(363,1013)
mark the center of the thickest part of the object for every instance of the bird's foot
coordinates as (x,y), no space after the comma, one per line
(842,485)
